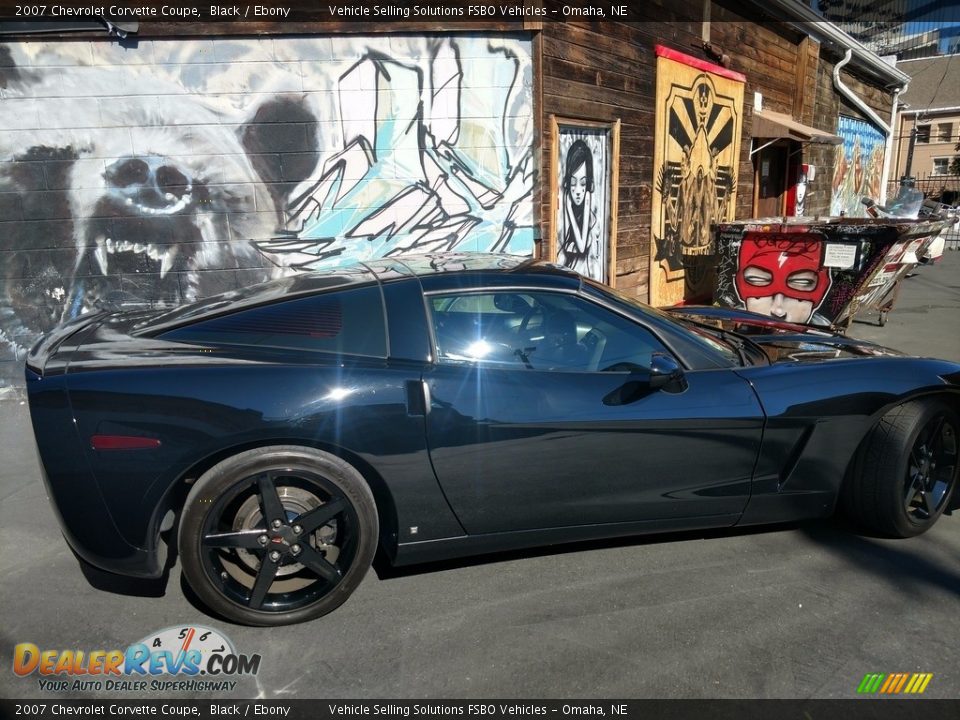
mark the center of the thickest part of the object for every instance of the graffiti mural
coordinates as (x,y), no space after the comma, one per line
(172,170)
(815,274)
(696,151)
(585,182)
(781,276)
(858,167)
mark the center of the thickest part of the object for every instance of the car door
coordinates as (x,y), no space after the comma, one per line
(541,415)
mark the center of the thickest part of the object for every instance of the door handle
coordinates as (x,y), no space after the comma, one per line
(418,398)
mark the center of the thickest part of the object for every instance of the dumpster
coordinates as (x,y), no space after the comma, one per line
(818,271)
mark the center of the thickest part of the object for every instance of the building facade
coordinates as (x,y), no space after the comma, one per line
(929,129)
(175,164)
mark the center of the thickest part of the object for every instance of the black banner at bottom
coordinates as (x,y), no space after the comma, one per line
(854,709)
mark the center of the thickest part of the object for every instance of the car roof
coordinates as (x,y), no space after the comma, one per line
(451,270)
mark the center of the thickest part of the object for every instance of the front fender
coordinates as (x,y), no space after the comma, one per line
(817,416)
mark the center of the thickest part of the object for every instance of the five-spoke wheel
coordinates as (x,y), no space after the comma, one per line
(278,535)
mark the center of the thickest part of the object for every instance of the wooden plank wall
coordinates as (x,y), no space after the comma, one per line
(605,71)
(778,63)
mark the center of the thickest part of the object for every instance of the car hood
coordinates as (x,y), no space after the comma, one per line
(783,341)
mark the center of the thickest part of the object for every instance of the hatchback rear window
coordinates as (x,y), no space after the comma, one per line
(292,285)
(349,322)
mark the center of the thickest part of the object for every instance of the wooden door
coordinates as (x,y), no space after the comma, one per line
(771,181)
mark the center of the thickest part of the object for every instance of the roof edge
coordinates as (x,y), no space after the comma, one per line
(807,21)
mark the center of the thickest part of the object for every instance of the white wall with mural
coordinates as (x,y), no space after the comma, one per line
(169,170)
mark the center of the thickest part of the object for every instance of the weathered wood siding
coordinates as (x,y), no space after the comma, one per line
(605,71)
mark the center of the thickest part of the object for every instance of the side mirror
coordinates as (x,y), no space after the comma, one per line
(666,373)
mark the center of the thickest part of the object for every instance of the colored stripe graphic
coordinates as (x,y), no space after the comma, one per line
(894,683)
(890,682)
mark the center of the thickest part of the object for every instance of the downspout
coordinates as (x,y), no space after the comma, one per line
(888,156)
(848,94)
(866,110)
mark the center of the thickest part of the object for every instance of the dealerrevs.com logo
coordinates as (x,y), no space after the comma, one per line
(173,659)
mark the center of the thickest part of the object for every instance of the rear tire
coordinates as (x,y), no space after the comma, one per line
(906,470)
(277,535)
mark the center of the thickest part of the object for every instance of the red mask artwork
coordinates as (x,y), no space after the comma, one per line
(782,256)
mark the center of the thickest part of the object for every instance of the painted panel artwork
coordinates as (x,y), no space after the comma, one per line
(696,152)
(584,188)
(166,171)
(858,167)
(816,273)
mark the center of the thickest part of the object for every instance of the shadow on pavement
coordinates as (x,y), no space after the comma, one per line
(120,584)
(883,557)
(386,571)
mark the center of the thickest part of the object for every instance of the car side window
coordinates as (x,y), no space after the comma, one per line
(537,331)
(348,322)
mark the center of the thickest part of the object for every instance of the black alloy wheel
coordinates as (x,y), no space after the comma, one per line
(278,535)
(931,469)
(906,469)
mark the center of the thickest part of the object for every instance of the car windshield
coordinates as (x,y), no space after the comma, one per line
(716,340)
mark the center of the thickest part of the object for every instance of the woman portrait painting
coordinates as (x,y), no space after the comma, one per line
(580,242)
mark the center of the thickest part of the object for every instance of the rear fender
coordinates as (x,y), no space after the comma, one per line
(175,497)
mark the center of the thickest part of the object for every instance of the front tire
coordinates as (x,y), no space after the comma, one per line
(278,535)
(907,469)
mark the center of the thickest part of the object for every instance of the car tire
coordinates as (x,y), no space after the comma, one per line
(906,469)
(277,535)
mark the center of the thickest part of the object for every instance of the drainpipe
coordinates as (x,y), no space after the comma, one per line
(866,110)
(888,155)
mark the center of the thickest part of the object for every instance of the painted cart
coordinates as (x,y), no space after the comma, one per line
(818,271)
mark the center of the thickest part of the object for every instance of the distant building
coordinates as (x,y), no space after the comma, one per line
(905,28)
(915,45)
(932,111)
(885,28)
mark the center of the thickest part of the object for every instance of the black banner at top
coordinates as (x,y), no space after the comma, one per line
(117,11)
(31,16)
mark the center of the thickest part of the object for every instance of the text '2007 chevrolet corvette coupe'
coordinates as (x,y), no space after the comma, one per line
(446,405)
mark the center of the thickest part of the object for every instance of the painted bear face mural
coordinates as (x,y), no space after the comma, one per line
(173,170)
(781,276)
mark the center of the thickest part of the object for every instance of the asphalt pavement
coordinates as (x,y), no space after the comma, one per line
(796,611)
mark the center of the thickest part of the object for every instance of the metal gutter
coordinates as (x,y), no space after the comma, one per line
(853,98)
(926,111)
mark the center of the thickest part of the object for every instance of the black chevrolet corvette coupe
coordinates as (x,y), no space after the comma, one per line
(446,405)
